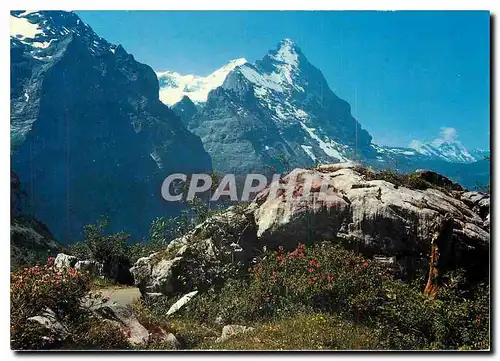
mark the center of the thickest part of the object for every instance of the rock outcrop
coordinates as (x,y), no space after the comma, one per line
(195,259)
(93,267)
(421,215)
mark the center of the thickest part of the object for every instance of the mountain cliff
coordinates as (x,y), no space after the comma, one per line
(89,134)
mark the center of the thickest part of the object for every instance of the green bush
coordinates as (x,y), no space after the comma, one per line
(112,251)
(36,290)
(331,280)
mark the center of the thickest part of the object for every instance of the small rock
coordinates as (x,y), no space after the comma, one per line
(181,302)
(64,261)
(56,331)
(124,317)
(171,340)
(93,267)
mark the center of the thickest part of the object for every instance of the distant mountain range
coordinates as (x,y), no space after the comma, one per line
(250,115)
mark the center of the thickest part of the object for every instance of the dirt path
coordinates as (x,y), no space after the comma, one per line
(122,296)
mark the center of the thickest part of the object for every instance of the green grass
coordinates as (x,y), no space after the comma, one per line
(302,332)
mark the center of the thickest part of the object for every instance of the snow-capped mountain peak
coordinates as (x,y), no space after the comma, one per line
(288,106)
(174,86)
(448,150)
(39,31)
(287,52)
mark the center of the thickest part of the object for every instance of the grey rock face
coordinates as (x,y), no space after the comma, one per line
(155,274)
(89,133)
(185,109)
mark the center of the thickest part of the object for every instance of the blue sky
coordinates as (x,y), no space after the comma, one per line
(405,74)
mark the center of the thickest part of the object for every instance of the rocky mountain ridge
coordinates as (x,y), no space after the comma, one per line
(282,106)
(89,134)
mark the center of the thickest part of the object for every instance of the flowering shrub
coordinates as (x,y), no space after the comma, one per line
(37,289)
(324,277)
(329,279)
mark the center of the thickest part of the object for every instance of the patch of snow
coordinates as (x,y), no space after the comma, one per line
(47,57)
(299,113)
(42,45)
(286,53)
(23,29)
(279,113)
(328,148)
(154,155)
(27,12)
(196,87)
(308,150)
(271,81)
(260,92)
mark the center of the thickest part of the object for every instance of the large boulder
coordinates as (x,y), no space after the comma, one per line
(154,274)
(374,215)
(406,217)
